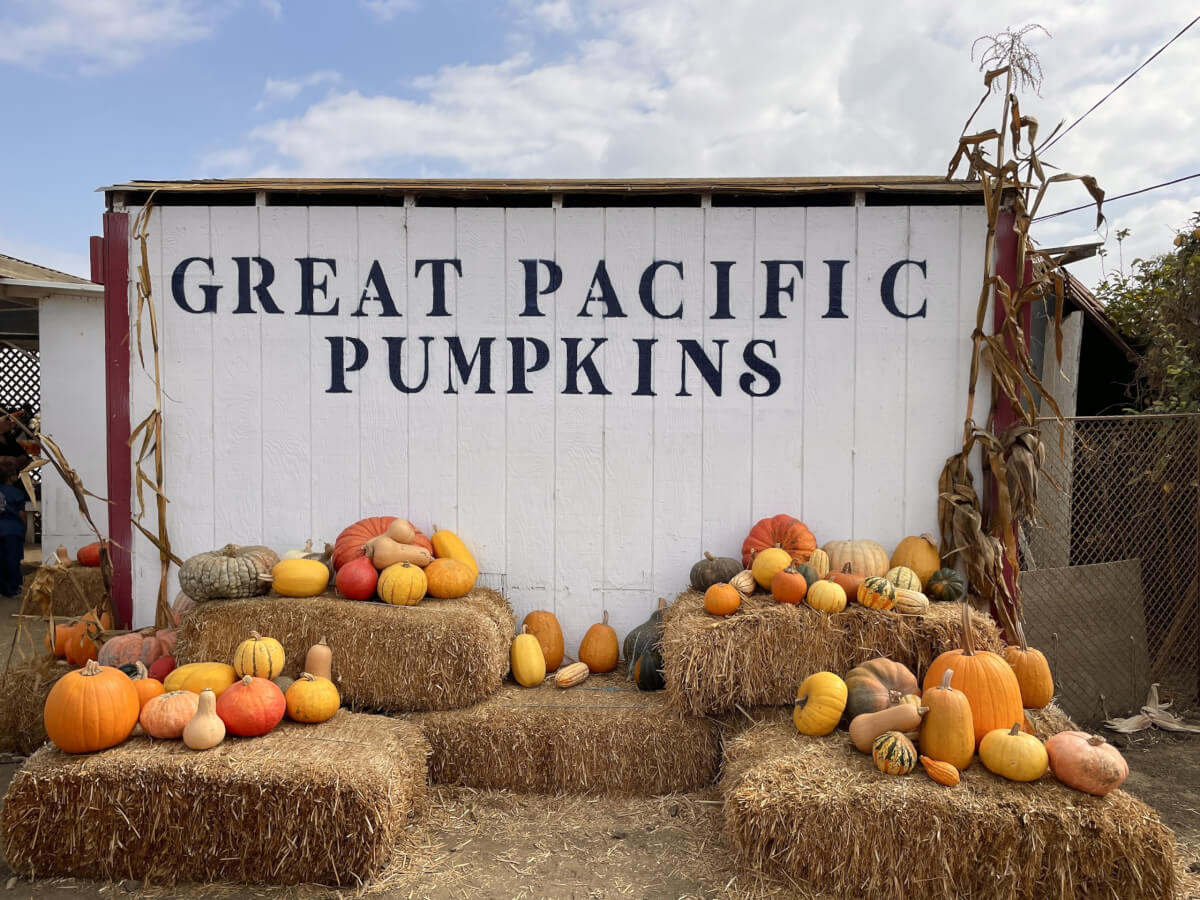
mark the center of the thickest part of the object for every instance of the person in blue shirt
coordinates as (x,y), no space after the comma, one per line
(12,525)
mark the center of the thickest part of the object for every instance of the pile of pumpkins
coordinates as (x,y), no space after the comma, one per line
(379,557)
(780,556)
(538,651)
(970,701)
(99,706)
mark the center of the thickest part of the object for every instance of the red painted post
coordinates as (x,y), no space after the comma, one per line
(115,262)
(96,250)
(1004,412)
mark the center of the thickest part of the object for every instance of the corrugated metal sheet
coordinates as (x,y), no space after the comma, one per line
(890,183)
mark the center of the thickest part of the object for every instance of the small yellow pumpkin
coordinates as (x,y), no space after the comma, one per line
(402,584)
(820,702)
(827,596)
(1014,754)
(299,577)
(528,662)
(767,564)
(312,699)
(260,656)
(820,562)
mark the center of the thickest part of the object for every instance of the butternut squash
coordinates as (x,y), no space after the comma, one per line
(384,552)
(866,727)
(205,730)
(401,531)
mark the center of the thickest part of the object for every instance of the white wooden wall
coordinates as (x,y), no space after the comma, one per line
(575,503)
(71,339)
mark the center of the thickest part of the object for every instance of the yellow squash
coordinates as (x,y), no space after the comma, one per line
(195,677)
(299,577)
(447,544)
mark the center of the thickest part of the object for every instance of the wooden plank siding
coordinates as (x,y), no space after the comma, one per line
(577,495)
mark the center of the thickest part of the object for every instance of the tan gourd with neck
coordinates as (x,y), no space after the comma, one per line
(206,729)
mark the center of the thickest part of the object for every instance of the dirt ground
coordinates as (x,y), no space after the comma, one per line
(494,844)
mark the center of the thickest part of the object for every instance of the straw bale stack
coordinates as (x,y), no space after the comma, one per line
(305,803)
(603,736)
(441,654)
(23,690)
(67,589)
(759,655)
(816,813)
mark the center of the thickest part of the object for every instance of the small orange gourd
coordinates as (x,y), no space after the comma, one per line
(941,772)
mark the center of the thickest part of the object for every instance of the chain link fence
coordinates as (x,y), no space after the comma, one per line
(1111,571)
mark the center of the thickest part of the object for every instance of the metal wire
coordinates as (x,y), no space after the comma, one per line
(1119,522)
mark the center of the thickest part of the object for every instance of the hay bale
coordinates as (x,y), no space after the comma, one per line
(24,687)
(815,812)
(441,654)
(67,589)
(759,655)
(305,803)
(600,737)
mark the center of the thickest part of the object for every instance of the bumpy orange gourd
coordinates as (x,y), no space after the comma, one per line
(941,772)
(986,679)
(544,626)
(91,709)
(599,647)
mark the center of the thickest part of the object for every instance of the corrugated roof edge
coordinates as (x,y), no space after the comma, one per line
(887,183)
(11,267)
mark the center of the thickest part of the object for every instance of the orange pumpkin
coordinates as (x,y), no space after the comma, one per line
(1032,671)
(789,586)
(91,709)
(62,633)
(81,640)
(544,626)
(89,554)
(449,578)
(599,647)
(986,679)
(164,717)
(784,531)
(722,600)
(147,688)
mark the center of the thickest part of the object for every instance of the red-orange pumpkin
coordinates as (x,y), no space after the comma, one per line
(251,707)
(789,586)
(783,531)
(143,646)
(89,554)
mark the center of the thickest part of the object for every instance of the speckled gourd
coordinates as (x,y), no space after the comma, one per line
(231,571)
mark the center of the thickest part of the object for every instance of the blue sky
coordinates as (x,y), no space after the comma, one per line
(103,91)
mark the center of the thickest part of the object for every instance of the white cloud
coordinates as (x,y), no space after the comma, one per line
(97,35)
(285,89)
(770,87)
(73,263)
(386,10)
(275,8)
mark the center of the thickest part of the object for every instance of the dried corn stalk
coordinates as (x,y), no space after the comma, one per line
(983,535)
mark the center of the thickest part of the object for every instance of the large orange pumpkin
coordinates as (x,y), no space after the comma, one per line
(350,543)
(987,680)
(91,709)
(784,531)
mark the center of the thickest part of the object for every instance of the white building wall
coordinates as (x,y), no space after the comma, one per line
(574,503)
(74,414)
